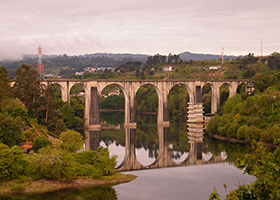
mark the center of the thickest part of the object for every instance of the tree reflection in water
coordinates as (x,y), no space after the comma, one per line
(100,193)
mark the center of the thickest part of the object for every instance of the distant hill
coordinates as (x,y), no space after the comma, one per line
(184,56)
(143,57)
(196,56)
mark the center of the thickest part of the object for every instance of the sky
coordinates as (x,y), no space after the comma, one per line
(140,27)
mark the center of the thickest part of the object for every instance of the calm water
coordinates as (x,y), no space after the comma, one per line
(184,182)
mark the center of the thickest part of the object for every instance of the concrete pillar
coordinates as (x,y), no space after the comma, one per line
(92,130)
(130,110)
(232,89)
(163,159)
(94,107)
(126,109)
(163,115)
(215,98)
(65,93)
(130,161)
(64,96)
(165,108)
(160,109)
(198,92)
(87,105)
(94,139)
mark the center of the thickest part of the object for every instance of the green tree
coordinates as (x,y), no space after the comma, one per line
(10,129)
(51,163)
(5,87)
(249,74)
(137,72)
(264,164)
(71,140)
(41,142)
(273,61)
(27,86)
(50,98)
(48,112)
(143,74)
(99,159)
(12,162)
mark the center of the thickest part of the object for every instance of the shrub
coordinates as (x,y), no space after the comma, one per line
(241,132)
(51,163)
(99,159)
(40,142)
(12,162)
(71,140)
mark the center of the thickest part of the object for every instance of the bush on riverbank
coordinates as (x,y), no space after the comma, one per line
(12,162)
(54,164)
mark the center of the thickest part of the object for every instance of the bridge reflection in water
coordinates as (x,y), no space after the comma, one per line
(164,159)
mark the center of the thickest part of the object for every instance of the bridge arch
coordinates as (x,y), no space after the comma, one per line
(178,99)
(63,89)
(224,93)
(187,86)
(207,97)
(159,93)
(160,117)
(101,87)
(78,83)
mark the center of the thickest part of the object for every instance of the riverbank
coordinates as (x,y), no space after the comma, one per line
(234,140)
(44,185)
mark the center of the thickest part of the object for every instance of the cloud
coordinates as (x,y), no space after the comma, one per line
(88,26)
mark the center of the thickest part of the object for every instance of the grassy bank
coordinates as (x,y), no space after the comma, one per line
(28,185)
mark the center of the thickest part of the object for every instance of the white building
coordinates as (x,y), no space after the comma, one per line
(167,68)
(214,67)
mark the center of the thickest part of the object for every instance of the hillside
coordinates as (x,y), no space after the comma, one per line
(67,65)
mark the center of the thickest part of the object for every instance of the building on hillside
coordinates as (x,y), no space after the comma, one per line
(214,67)
(250,88)
(114,92)
(104,95)
(26,148)
(90,69)
(167,68)
(80,73)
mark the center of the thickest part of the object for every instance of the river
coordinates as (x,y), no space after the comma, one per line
(182,182)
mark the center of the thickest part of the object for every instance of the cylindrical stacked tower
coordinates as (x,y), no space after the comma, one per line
(195,122)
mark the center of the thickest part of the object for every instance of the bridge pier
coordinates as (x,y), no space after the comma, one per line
(93,129)
(130,161)
(163,159)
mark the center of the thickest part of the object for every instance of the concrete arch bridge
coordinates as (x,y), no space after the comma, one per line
(93,89)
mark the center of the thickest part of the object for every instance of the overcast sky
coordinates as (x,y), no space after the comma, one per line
(76,27)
